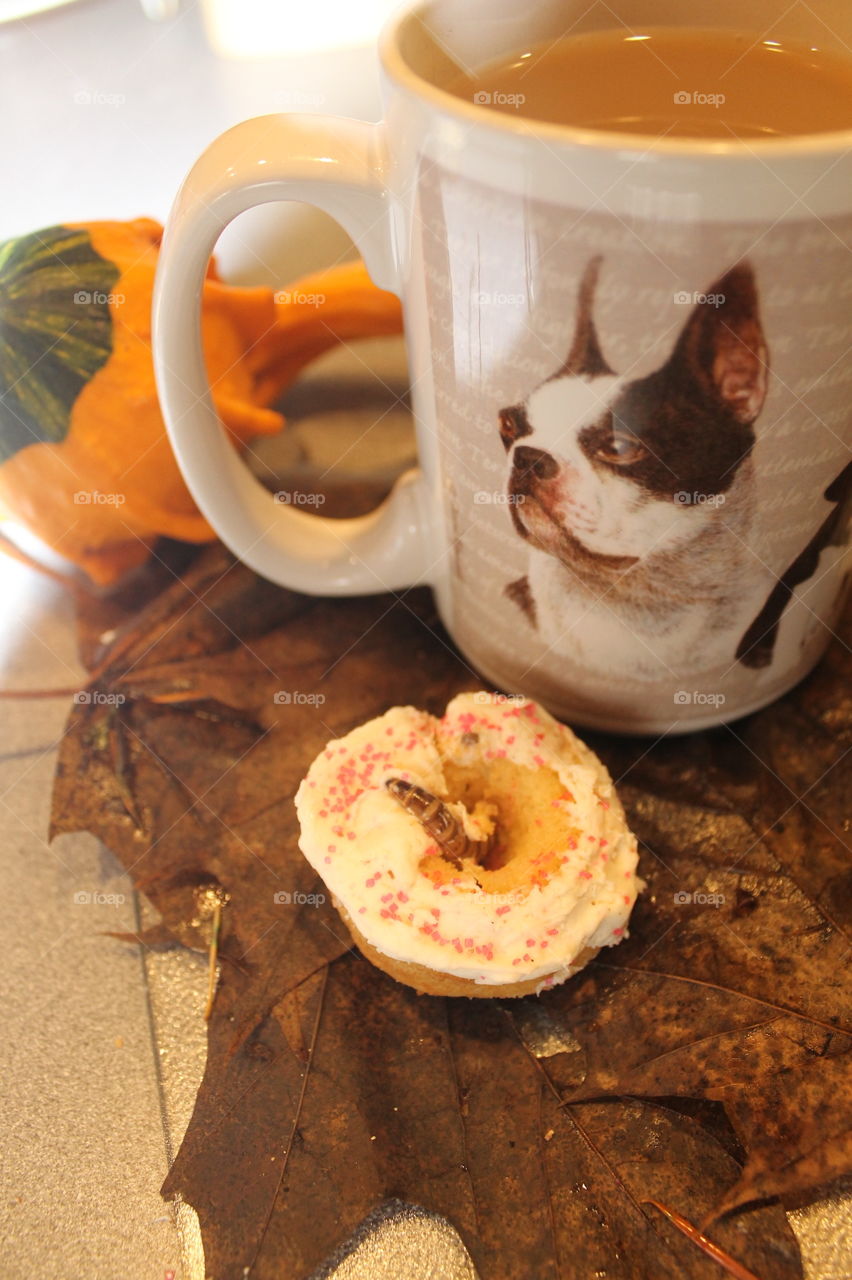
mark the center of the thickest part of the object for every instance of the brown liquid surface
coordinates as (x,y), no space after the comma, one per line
(673,82)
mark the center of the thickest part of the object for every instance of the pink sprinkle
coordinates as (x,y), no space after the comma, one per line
(362,911)
(627,899)
(530,942)
(436,912)
(384,913)
(501,911)
(326,860)
(618,932)
(544,944)
(351,835)
(539,760)
(332,848)
(604,843)
(553,932)
(585,875)
(323,813)
(468,942)
(387,897)
(403,897)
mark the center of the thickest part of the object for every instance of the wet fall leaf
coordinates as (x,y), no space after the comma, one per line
(707,1065)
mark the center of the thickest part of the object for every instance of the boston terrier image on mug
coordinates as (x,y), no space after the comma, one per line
(636,498)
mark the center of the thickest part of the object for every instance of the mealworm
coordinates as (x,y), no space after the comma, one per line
(437,821)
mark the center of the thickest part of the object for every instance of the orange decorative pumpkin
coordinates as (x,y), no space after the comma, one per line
(85,461)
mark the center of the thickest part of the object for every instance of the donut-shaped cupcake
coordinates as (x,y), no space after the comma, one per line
(482,854)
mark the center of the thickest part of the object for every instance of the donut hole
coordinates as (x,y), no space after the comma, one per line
(532,830)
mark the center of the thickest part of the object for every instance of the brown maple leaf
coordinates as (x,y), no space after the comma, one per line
(330,1089)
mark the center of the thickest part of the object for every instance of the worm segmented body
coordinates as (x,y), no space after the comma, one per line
(438,821)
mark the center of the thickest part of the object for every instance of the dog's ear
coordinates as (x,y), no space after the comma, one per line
(585,359)
(513,425)
(723,348)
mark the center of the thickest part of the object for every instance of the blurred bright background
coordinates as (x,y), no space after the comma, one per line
(111,108)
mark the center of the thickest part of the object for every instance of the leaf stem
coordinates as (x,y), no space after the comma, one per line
(706,1245)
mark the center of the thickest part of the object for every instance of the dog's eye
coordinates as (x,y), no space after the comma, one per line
(621,450)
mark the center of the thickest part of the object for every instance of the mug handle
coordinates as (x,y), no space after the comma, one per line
(336,164)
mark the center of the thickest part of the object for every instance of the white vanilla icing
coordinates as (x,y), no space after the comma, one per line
(369,850)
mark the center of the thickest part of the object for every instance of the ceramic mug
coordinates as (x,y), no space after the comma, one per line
(630,367)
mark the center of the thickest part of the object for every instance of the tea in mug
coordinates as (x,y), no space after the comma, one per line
(671,82)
